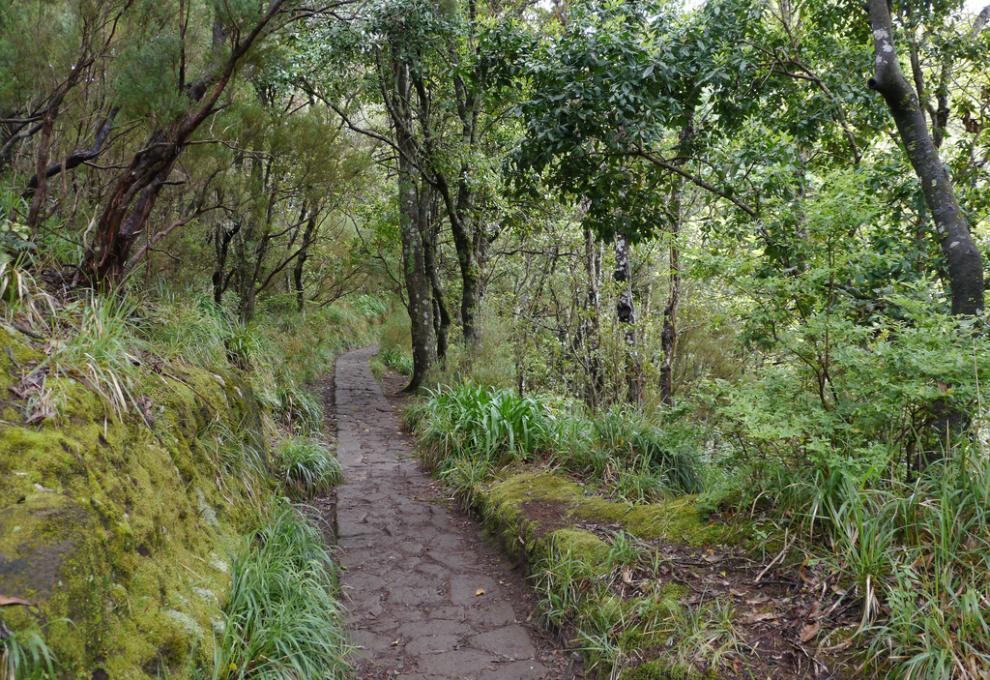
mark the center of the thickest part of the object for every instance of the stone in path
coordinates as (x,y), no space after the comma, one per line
(428,598)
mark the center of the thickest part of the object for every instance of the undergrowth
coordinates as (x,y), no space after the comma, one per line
(307,466)
(913,554)
(282,619)
(468,431)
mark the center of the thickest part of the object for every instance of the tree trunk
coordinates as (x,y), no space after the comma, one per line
(958,247)
(589,332)
(221,244)
(298,269)
(417,279)
(40,189)
(668,334)
(470,278)
(441,317)
(952,230)
(625,312)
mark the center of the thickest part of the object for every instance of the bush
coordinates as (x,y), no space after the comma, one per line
(281,620)
(626,437)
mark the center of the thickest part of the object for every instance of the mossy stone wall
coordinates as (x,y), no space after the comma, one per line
(120,529)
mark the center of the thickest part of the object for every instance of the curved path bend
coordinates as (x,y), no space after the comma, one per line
(428,597)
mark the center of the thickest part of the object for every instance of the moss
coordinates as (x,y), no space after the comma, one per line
(661,670)
(17,356)
(581,545)
(108,524)
(541,517)
(676,520)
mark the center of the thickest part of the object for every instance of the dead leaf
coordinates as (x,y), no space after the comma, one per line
(479,592)
(9,601)
(761,616)
(627,576)
(809,631)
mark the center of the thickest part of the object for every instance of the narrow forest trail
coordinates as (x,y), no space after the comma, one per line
(427,596)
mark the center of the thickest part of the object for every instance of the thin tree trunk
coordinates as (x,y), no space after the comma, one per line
(40,190)
(589,332)
(441,318)
(668,333)
(625,312)
(298,269)
(470,278)
(222,238)
(417,280)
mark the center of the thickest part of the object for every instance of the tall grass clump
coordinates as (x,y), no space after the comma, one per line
(20,292)
(24,655)
(281,620)
(640,450)
(470,422)
(196,331)
(98,344)
(307,466)
(928,545)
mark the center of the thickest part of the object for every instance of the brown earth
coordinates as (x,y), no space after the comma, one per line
(428,597)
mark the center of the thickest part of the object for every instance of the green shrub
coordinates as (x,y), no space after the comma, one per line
(628,438)
(281,620)
(307,467)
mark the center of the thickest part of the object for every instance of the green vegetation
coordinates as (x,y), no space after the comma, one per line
(698,275)
(912,552)
(479,429)
(281,619)
(121,426)
(307,466)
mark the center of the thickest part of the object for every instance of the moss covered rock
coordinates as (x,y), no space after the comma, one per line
(119,529)
(562,527)
(505,501)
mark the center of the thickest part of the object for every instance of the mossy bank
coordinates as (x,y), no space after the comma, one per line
(119,530)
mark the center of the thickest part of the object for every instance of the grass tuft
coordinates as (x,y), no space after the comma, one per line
(281,621)
(307,467)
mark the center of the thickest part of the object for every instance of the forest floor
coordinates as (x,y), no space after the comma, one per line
(427,596)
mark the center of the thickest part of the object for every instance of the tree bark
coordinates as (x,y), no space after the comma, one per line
(221,244)
(947,421)
(589,332)
(300,266)
(441,317)
(668,333)
(952,230)
(417,280)
(625,312)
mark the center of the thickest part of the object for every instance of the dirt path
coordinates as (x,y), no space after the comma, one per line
(428,598)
